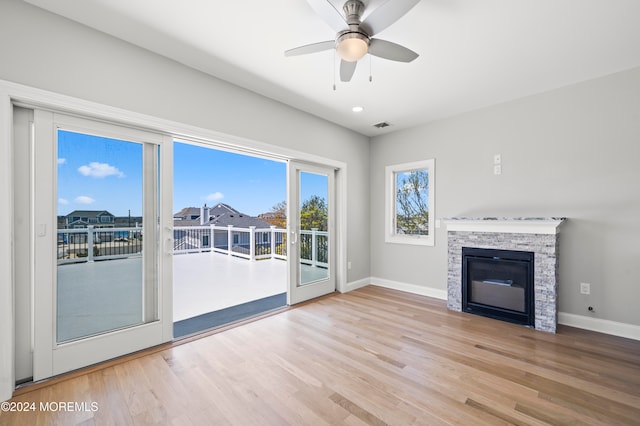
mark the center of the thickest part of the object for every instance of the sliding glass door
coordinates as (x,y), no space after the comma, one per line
(312,231)
(102,255)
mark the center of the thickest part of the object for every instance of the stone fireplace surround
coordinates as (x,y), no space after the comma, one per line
(537,235)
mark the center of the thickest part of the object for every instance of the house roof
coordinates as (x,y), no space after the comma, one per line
(222,208)
(188,211)
(238,221)
(220,215)
(89,213)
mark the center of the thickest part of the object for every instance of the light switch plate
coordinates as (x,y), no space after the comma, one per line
(585,288)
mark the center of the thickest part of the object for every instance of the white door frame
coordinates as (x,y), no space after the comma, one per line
(7,310)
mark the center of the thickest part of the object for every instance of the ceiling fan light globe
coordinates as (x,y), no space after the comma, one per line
(353,46)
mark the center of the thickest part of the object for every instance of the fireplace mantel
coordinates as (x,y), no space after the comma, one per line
(513,225)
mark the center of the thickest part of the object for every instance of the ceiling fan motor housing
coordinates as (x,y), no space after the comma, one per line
(353,11)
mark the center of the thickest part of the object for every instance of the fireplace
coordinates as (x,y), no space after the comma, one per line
(539,236)
(498,284)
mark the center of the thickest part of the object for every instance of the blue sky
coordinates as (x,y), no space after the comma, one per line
(97,173)
(249,184)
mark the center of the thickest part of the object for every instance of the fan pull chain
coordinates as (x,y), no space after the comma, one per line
(334,70)
(370,72)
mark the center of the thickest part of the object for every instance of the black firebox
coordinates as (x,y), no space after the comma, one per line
(498,284)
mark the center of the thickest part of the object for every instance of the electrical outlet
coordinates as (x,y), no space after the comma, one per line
(585,288)
(497,169)
(497,159)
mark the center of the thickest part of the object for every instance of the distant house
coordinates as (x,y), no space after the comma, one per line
(81,219)
(221,215)
(188,214)
(78,219)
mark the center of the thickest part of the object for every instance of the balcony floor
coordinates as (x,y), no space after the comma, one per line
(104,295)
(206,282)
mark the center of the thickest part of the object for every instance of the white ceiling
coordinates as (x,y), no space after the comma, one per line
(473,53)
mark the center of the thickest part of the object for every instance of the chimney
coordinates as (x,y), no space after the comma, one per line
(204,215)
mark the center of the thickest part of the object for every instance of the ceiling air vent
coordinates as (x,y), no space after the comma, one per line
(382,125)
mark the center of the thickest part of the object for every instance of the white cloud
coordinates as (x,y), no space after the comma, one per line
(63,201)
(214,196)
(99,170)
(83,199)
(61,161)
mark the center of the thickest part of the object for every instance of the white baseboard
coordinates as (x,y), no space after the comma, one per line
(629,331)
(354,285)
(615,328)
(410,288)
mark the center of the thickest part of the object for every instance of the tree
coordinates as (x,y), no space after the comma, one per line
(412,204)
(314,214)
(278,215)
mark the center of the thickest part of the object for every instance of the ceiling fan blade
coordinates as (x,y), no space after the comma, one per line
(386,14)
(311,48)
(329,14)
(347,69)
(392,51)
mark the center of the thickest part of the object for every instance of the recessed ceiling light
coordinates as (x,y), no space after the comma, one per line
(357,109)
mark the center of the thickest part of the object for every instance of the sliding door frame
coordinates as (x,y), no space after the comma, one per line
(30,97)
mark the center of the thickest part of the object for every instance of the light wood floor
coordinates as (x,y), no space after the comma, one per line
(372,356)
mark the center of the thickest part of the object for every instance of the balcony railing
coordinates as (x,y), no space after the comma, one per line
(250,243)
(314,247)
(89,244)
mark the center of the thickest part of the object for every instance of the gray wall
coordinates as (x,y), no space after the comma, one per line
(571,152)
(45,51)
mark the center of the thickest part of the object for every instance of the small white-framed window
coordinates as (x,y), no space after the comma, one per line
(409,203)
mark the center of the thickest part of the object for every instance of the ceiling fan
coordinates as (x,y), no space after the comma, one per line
(354,37)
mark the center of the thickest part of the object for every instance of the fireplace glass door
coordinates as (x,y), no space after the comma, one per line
(498,284)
